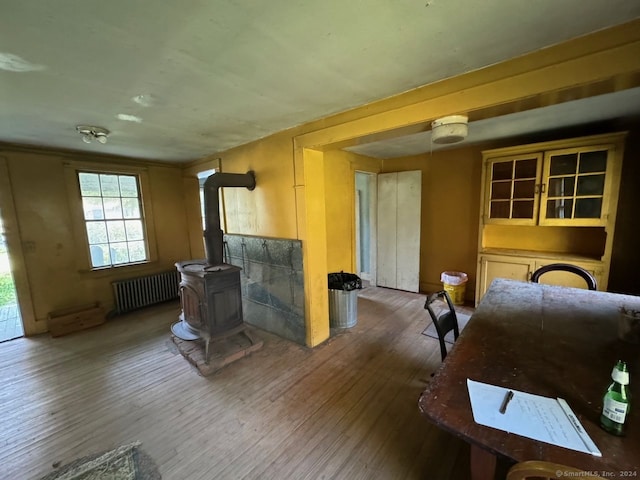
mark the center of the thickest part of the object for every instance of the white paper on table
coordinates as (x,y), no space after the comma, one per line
(548,420)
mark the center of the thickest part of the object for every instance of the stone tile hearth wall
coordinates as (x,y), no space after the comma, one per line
(272,283)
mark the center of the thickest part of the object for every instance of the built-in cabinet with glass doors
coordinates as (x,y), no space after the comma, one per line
(549,202)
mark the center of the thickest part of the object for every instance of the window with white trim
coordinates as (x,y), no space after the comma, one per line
(113,217)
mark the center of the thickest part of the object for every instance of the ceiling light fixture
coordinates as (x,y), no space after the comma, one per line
(449,129)
(89,133)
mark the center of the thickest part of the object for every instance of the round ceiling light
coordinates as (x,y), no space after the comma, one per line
(449,129)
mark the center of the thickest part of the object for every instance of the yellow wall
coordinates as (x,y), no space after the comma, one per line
(450,209)
(49,248)
(340,168)
(269,210)
(587,241)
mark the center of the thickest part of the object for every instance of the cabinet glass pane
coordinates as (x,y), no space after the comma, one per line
(564,164)
(500,190)
(561,187)
(500,209)
(524,189)
(522,209)
(593,162)
(502,171)
(526,168)
(560,208)
(590,185)
(588,207)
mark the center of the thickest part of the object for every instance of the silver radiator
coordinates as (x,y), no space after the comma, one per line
(134,293)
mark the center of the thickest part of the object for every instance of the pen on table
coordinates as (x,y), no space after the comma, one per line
(507,398)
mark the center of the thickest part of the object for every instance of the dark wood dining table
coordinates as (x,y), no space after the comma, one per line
(546,340)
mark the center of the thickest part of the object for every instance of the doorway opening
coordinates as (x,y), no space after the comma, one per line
(10,319)
(202,177)
(365,227)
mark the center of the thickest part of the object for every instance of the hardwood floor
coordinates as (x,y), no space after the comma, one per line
(344,410)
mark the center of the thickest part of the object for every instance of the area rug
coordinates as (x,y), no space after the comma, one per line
(127,462)
(430,331)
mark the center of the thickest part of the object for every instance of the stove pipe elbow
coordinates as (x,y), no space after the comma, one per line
(213,235)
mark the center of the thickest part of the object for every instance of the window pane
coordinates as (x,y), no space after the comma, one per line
(593,162)
(92,207)
(97,232)
(89,184)
(561,208)
(137,252)
(588,207)
(131,208)
(502,171)
(500,190)
(134,230)
(564,164)
(522,209)
(109,185)
(524,189)
(500,209)
(115,229)
(112,207)
(100,255)
(119,253)
(526,168)
(590,185)
(561,187)
(128,186)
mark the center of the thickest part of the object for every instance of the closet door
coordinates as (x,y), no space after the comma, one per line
(399,201)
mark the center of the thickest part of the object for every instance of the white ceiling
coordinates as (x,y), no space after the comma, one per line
(177,81)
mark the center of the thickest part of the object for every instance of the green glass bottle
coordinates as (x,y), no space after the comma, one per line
(617,401)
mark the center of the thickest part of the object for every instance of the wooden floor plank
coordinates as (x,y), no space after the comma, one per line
(346,409)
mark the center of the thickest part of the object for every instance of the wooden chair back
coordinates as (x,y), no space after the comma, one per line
(566,267)
(445,322)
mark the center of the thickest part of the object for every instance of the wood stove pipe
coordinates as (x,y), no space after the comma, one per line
(213,235)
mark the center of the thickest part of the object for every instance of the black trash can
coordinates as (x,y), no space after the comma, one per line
(343,299)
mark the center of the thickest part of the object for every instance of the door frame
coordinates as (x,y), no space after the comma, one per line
(16,256)
(373,223)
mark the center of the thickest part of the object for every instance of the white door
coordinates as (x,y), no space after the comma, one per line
(399,201)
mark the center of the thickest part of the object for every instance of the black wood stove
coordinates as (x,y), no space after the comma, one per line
(210,291)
